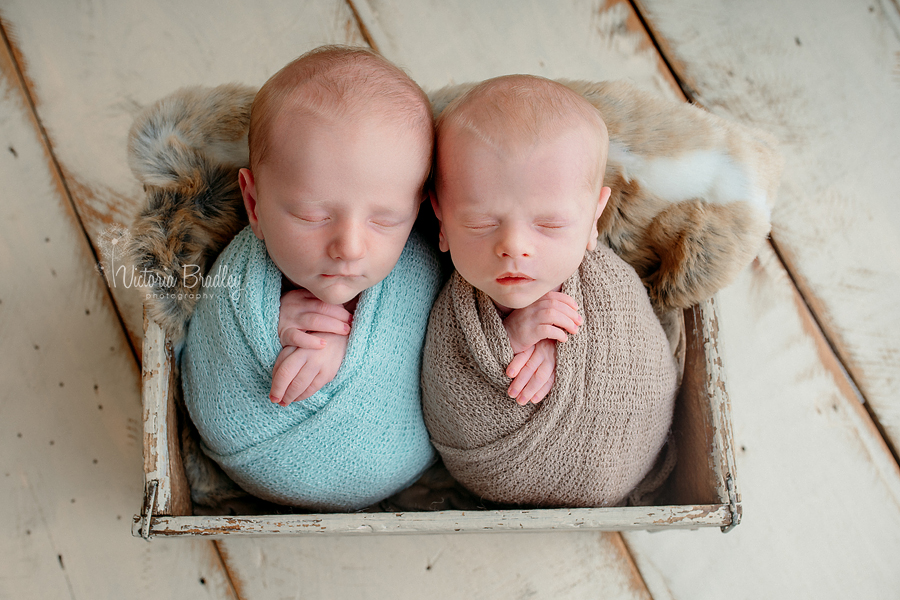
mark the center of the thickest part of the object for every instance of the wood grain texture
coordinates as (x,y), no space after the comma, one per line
(443,43)
(163,466)
(826,81)
(821,493)
(70,450)
(92,66)
(505,566)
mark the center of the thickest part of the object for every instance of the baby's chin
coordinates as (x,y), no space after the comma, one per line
(338,294)
(516,297)
(509,302)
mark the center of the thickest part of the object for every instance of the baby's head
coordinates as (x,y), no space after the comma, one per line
(519,185)
(340,148)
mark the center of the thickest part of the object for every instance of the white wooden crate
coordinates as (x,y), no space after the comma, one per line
(701,492)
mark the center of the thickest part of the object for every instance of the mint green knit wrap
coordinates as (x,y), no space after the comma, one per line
(360,438)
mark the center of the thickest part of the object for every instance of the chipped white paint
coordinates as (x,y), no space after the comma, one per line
(472,521)
(70,434)
(825,80)
(155,393)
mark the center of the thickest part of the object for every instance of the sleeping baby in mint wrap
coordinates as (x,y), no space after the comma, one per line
(547,378)
(301,363)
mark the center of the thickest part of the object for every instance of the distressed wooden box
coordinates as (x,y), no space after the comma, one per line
(702,491)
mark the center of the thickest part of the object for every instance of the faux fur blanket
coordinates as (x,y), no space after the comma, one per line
(690,204)
(597,434)
(359,439)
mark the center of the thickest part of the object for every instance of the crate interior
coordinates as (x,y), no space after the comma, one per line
(694,480)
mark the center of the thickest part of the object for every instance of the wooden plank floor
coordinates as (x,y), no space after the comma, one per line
(806,332)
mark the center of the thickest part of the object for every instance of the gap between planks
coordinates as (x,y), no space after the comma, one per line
(690,95)
(25,85)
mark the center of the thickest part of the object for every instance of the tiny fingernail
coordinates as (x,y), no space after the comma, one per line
(274,399)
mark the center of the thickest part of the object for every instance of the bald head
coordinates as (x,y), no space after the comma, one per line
(515,113)
(334,83)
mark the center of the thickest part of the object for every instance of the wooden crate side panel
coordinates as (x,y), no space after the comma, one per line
(694,479)
(164,477)
(601,519)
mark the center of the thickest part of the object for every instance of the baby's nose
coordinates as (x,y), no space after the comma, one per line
(513,243)
(349,244)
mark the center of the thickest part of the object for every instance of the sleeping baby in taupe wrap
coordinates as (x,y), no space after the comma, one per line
(547,379)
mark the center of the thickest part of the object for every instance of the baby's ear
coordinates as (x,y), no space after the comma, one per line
(442,240)
(248,191)
(605,192)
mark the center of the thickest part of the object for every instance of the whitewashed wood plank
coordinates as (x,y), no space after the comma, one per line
(502,566)
(91,66)
(440,43)
(824,79)
(821,493)
(70,443)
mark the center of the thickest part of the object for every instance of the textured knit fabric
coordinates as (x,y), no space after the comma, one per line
(361,437)
(598,432)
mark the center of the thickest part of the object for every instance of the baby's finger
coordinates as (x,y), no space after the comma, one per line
(303,301)
(558,318)
(299,384)
(521,380)
(519,361)
(321,323)
(542,393)
(543,371)
(550,332)
(534,385)
(315,385)
(564,298)
(560,309)
(525,385)
(542,375)
(285,352)
(284,372)
(300,339)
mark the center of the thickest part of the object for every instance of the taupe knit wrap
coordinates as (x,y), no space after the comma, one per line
(597,434)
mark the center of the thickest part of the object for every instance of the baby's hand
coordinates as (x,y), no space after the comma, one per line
(301,313)
(301,372)
(533,371)
(548,318)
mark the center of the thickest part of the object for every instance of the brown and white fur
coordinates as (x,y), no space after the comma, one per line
(186,150)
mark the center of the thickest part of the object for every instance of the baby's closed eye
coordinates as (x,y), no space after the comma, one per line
(551,224)
(310,218)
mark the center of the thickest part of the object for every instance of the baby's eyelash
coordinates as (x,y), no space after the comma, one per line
(480,226)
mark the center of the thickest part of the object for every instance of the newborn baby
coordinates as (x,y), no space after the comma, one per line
(536,311)
(340,148)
